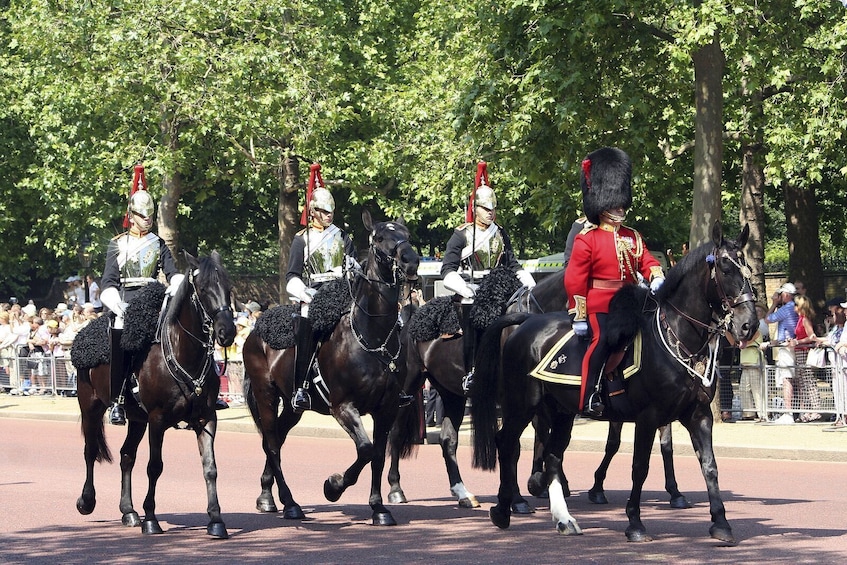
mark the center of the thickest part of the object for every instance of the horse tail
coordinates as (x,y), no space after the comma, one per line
(94,426)
(485,391)
(407,429)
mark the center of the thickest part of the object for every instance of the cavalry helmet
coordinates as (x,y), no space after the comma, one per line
(322,200)
(141,203)
(485,197)
(606,179)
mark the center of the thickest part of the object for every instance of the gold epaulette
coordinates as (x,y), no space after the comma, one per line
(120,235)
(588,227)
(301,232)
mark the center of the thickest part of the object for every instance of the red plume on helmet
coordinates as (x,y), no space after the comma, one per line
(315,180)
(139,182)
(481,179)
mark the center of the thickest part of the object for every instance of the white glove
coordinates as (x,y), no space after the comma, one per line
(454,282)
(352,264)
(580,328)
(656,284)
(525,278)
(111,298)
(298,291)
(336,271)
(176,280)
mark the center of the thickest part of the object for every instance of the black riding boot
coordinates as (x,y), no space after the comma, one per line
(305,348)
(117,415)
(593,407)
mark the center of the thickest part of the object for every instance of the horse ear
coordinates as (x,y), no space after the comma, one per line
(366,219)
(216,257)
(717,233)
(743,236)
(192,261)
(399,220)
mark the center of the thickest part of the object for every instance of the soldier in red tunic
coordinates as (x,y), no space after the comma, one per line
(606,256)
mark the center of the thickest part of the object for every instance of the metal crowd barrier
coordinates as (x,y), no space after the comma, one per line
(38,375)
(760,389)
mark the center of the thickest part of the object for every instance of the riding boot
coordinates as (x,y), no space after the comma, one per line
(468,347)
(305,346)
(117,415)
(593,407)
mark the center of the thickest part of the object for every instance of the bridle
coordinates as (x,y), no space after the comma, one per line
(698,365)
(398,276)
(177,371)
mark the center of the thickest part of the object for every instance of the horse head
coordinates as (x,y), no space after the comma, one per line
(212,287)
(391,255)
(736,301)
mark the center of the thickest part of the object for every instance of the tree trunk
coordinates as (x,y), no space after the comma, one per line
(288,212)
(752,213)
(804,244)
(709,63)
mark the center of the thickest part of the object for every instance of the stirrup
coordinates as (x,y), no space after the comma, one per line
(594,406)
(117,416)
(467,382)
(301,400)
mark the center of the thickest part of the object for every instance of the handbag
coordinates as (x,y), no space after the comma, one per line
(817,358)
(23,351)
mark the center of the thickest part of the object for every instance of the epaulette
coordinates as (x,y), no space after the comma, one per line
(120,235)
(464,226)
(588,227)
(301,232)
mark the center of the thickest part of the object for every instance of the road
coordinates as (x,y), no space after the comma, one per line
(781,511)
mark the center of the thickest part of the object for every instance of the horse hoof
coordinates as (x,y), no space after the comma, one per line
(266,504)
(637,536)
(293,512)
(680,502)
(469,502)
(332,489)
(598,497)
(522,507)
(498,518)
(84,507)
(722,534)
(131,519)
(217,530)
(569,529)
(151,527)
(397,497)
(535,486)
(383,519)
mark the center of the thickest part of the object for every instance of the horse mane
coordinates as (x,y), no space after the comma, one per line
(208,272)
(689,263)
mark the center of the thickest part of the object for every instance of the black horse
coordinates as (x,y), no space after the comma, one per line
(360,362)
(177,383)
(706,295)
(440,361)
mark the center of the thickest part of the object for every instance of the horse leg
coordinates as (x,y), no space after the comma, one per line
(129,450)
(553,435)
(91,410)
(508,453)
(206,443)
(454,412)
(597,494)
(350,420)
(565,523)
(395,493)
(274,430)
(380,515)
(150,525)
(678,499)
(644,436)
(699,426)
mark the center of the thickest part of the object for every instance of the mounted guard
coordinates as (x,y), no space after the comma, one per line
(134,259)
(606,256)
(475,248)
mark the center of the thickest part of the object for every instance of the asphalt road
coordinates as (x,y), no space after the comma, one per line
(781,511)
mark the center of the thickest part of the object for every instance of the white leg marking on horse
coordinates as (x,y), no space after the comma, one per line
(459,491)
(558,506)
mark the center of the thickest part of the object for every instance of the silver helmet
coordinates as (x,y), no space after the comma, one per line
(322,200)
(485,197)
(141,203)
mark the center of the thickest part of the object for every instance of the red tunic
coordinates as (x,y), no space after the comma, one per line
(600,254)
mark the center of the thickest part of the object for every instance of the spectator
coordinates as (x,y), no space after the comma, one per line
(7,349)
(254,310)
(94,294)
(752,385)
(839,379)
(804,379)
(801,288)
(38,339)
(783,314)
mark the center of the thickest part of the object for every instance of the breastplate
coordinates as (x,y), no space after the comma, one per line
(138,257)
(487,255)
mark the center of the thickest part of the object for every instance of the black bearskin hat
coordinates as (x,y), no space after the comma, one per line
(606,178)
